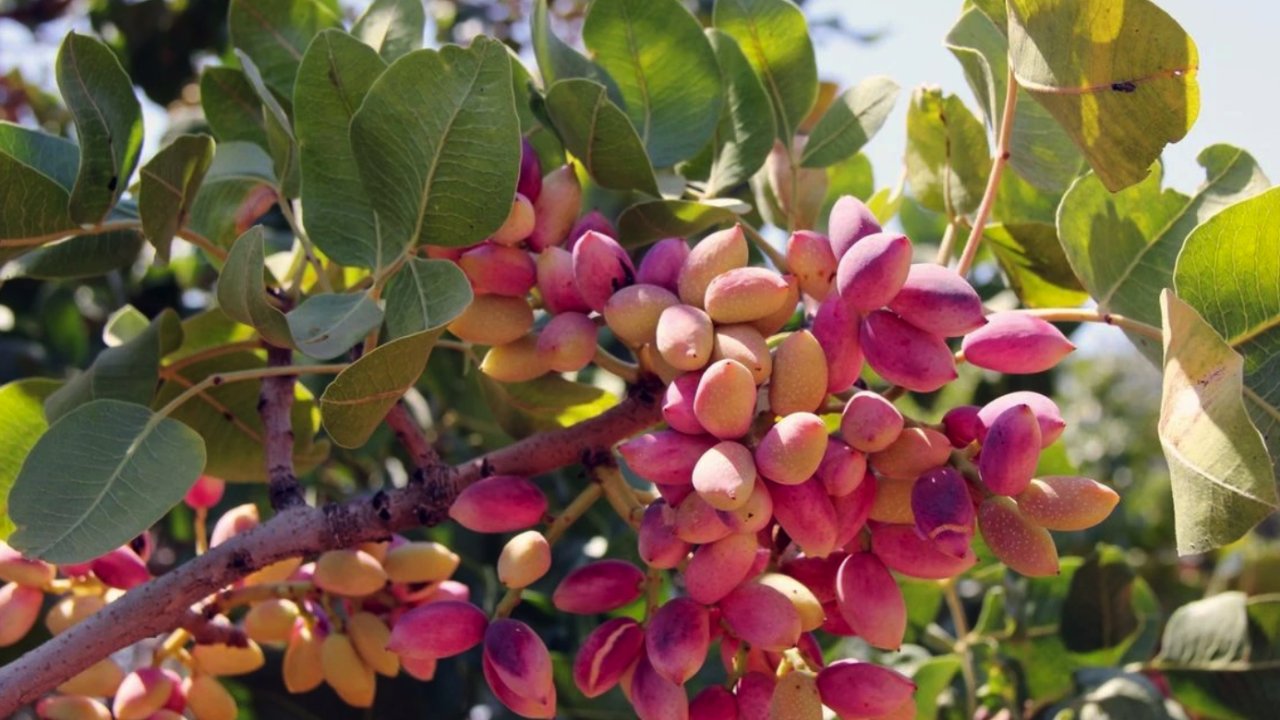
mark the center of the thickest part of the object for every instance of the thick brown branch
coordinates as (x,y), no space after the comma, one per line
(427,465)
(275,405)
(163,603)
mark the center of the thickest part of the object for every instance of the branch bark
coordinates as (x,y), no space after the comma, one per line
(300,530)
(275,405)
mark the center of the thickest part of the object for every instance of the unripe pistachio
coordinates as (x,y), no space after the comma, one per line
(805,602)
(238,519)
(806,512)
(685,337)
(121,568)
(747,346)
(850,221)
(346,673)
(598,587)
(904,354)
(100,679)
(677,639)
(351,573)
(208,699)
(568,342)
(1016,343)
(716,253)
(904,551)
(699,523)
(439,630)
(662,263)
(70,610)
(871,272)
(754,515)
(529,183)
(755,694)
(677,404)
(914,451)
(497,504)
(1046,412)
(142,693)
(718,567)
(893,501)
(744,295)
(796,698)
(493,320)
(228,659)
(556,208)
(871,601)
(205,493)
(499,270)
(943,510)
(1067,503)
(962,425)
(861,689)
(714,703)
(853,510)
(19,610)
(654,697)
(70,707)
(1017,540)
(632,312)
(420,562)
(600,268)
(725,403)
(518,225)
(809,256)
(594,221)
(303,668)
(798,382)
(842,468)
(939,300)
(665,457)
(659,546)
(274,573)
(761,616)
(605,655)
(23,570)
(725,475)
(778,319)
(370,636)
(271,621)
(556,282)
(791,451)
(524,559)
(836,328)
(519,659)
(1010,451)
(516,361)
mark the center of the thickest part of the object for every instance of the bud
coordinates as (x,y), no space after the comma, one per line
(685,337)
(1010,451)
(555,208)
(271,621)
(796,698)
(205,493)
(121,568)
(67,707)
(754,515)
(659,546)
(599,587)
(228,659)
(493,320)
(904,354)
(22,570)
(842,468)
(943,510)
(1067,503)
(499,504)
(370,637)
(717,253)
(717,568)
(677,639)
(849,222)
(606,654)
(514,362)
(836,328)
(871,273)
(1015,343)
(805,511)
(791,451)
(70,610)
(556,282)
(853,510)
(798,382)
(962,426)
(654,697)
(665,457)
(806,603)
(19,609)
(1016,539)
(1046,412)
(594,221)
(499,270)
(346,673)
(914,451)
(520,662)
(662,263)
(725,403)
(861,689)
(761,616)
(939,300)
(871,601)
(714,703)
(677,404)
(725,475)
(100,679)
(529,183)
(744,344)
(143,692)
(744,294)
(302,669)
(351,573)
(632,312)
(699,523)
(809,256)
(238,519)
(518,225)
(600,268)
(439,630)
(893,501)
(904,551)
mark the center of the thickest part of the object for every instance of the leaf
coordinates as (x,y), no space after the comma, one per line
(336,73)
(391,27)
(237,189)
(127,372)
(124,325)
(947,156)
(1033,260)
(108,119)
(775,38)
(82,256)
(1098,612)
(1111,694)
(599,134)
(932,677)
(227,416)
(1039,149)
(274,33)
(1123,245)
(425,295)
(21,425)
(557,61)
(745,133)
(1221,656)
(170,182)
(651,220)
(665,71)
(1119,75)
(280,138)
(547,403)
(101,475)
(851,176)
(437,142)
(850,122)
(1221,475)
(326,326)
(357,400)
(242,292)
(232,106)
(56,158)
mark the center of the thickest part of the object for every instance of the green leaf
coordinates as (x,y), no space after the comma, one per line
(124,325)
(127,372)
(665,70)
(1119,75)
(947,156)
(1221,475)
(82,256)
(227,416)
(1035,264)
(775,38)
(437,142)
(1123,245)
(275,33)
(557,61)
(1098,612)
(1111,694)
(239,180)
(56,158)
(651,220)
(851,176)
(392,27)
(108,118)
(232,106)
(852,120)
(425,295)
(280,138)
(357,400)
(336,73)
(21,425)
(170,182)
(932,677)
(326,326)
(745,133)
(547,403)
(100,476)
(242,292)
(1221,656)
(600,136)
(1039,149)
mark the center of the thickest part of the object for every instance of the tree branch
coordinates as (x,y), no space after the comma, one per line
(275,405)
(162,604)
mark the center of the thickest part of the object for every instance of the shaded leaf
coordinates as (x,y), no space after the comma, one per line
(932,677)
(275,33)
(547,403)
(242,292)
(1033,261)
(599,134)
(852,120)
(280,138)
(392,27)
(425,295)
(170,182)
(557,61)
(1098,612)
(232,106)
(947,160)
(82,256)
(775,38)
(357,400)
(56,158)
(744,135)
(326,326)
(124,325)
(651,220)
(239,186)
(22,423)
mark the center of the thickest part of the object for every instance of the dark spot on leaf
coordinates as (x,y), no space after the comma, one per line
(1125,87)
(111,184)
